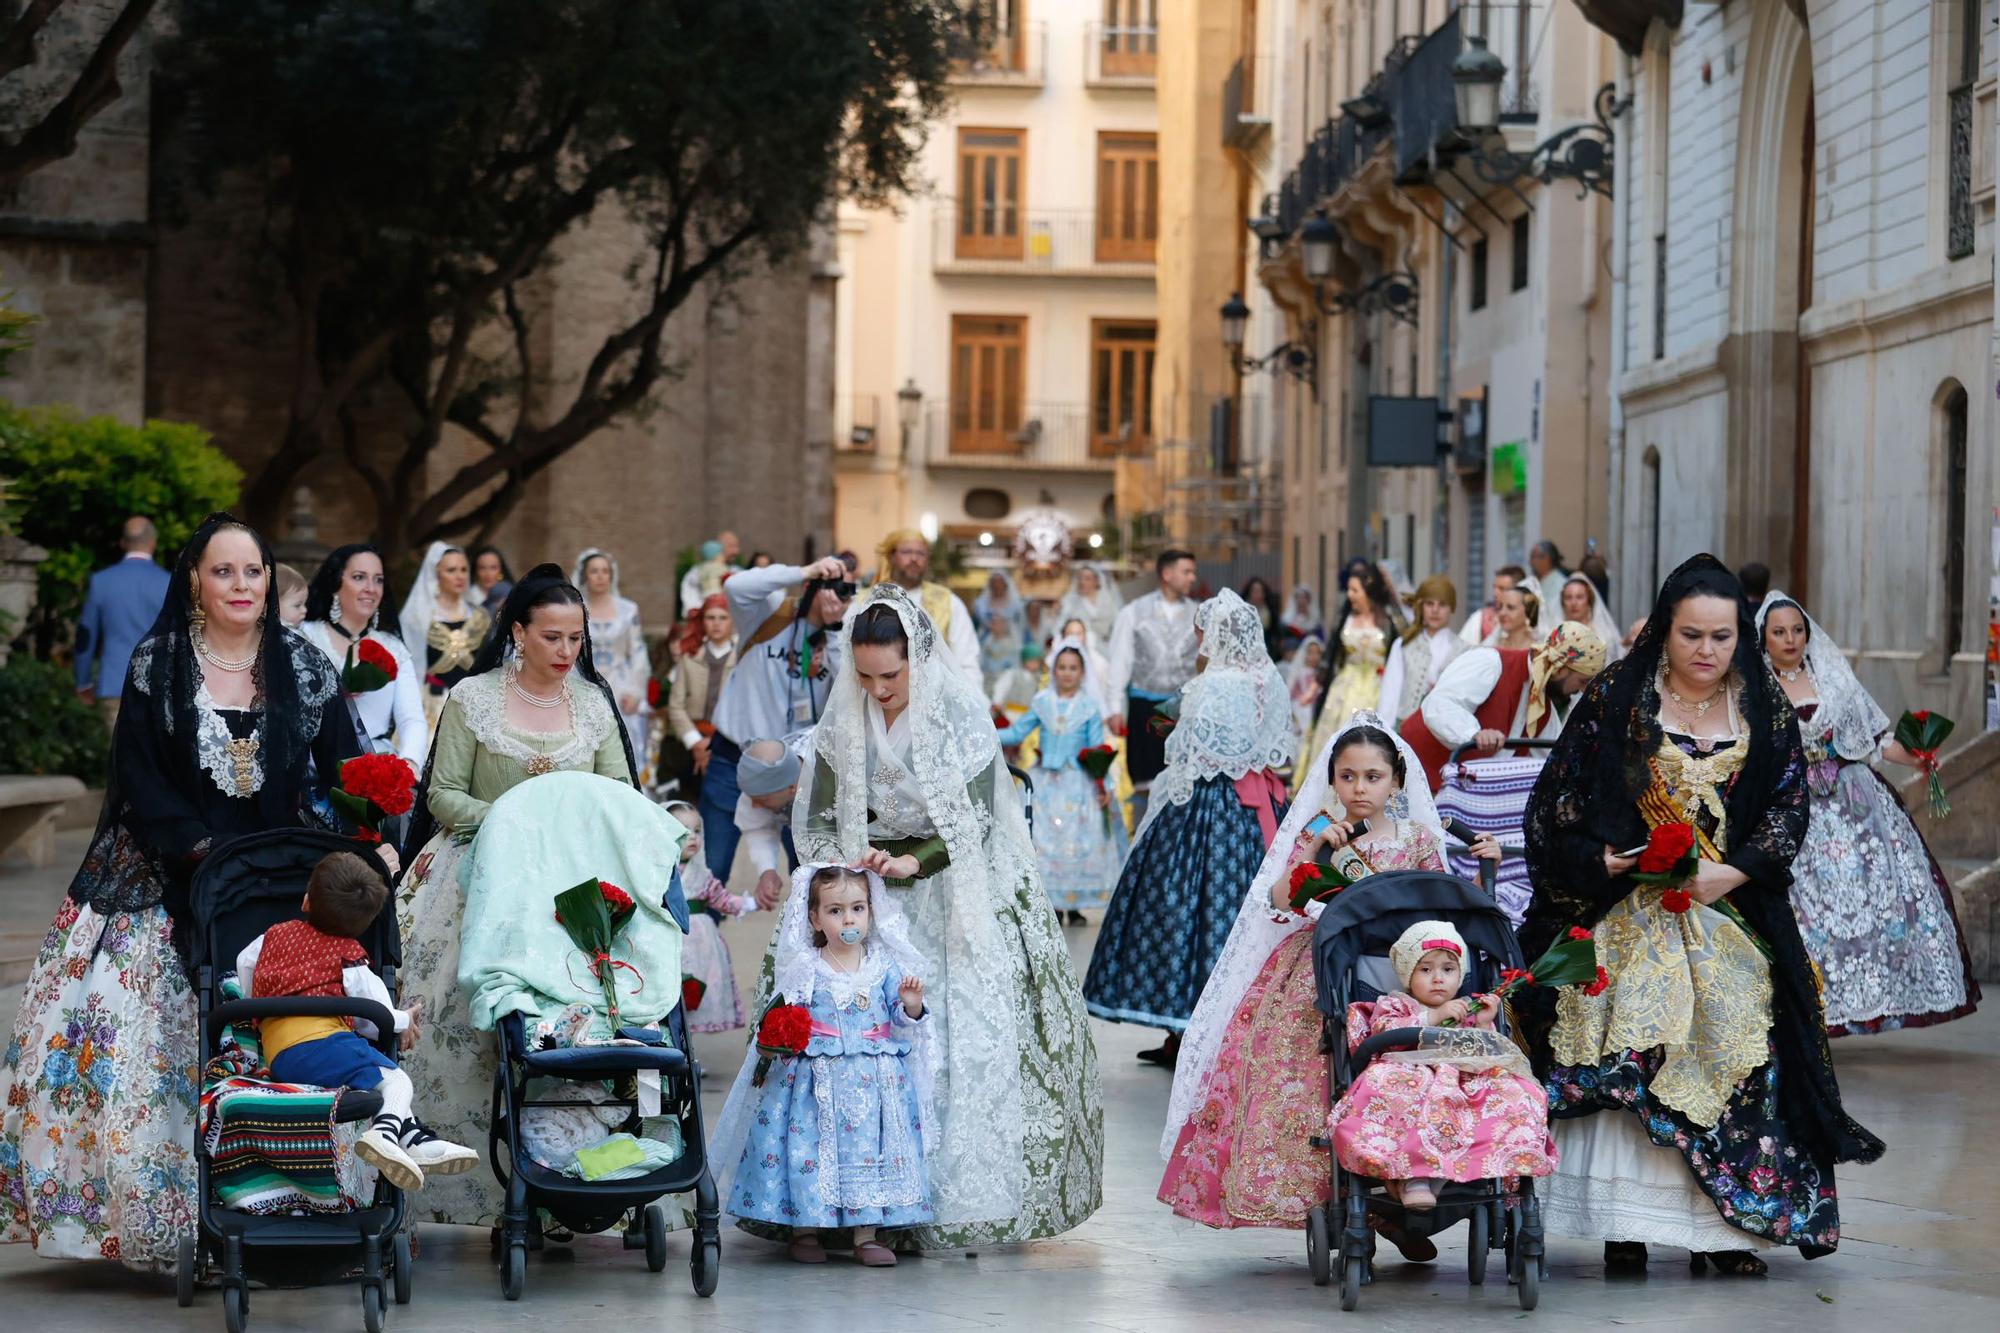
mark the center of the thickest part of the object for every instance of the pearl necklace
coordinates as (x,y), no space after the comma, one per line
(556,700)
(1791,676)
(1699,708)
(219,662)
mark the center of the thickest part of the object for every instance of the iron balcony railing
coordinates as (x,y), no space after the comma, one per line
(1015,55)
(1423,106)
(998,238)
(988,431)
(1121,57)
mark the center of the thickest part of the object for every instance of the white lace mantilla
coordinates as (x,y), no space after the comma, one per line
(316,684)
(483,700)
(1846,709)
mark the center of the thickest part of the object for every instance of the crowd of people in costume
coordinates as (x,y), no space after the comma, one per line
(922,822)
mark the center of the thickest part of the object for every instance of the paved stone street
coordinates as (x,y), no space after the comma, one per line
(1922,1246)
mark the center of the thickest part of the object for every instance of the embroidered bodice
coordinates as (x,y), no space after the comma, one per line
(859,1013)
(450,645)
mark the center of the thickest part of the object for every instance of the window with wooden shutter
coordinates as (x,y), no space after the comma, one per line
(991,167)
(1131,38)
(1121,386)
(988,382)
(1128,197)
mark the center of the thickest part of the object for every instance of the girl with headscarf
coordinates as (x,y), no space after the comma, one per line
(1582,603)
(1694,1099)
(1093,597)
(905,777)
(617,643)
(343,607)
(1350,676)
(224,716)
(1002,620)
(1422,651)
(1252,1070)
(1213,810)
(534,703)
(1871,901)
(1078,840)
(443,623)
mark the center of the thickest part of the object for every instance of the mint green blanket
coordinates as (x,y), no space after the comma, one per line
(548,834)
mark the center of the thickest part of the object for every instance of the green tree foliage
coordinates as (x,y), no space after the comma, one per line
(420,163)
(49,729)
(74,480)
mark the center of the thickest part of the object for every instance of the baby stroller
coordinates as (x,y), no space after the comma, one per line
(1350,947)
(1491,796)
(242,889)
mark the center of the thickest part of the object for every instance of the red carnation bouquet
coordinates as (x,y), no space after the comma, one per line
(1096,763)
(782,1033)
(1000,719)
(372,788)
(1922,733)
(1314,883)
(595,913)
(369,667)
(1570,961)
(1669,858)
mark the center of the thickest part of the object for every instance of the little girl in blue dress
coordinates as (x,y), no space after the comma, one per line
(834,1139)
(1079,840)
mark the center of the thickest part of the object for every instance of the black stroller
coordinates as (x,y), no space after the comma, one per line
(1350,945)
(242,889)
(585,1206)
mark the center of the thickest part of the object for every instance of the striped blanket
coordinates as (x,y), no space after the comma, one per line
(273,1147)
(1491,795)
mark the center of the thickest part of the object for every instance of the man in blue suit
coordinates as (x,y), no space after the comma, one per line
(123,602)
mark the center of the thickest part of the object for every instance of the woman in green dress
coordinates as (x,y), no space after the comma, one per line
(906,778)
(522,713)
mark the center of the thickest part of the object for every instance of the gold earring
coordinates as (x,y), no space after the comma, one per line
(197,617)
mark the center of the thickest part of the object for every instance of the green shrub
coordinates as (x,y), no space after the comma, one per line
(75,480)
(49,730)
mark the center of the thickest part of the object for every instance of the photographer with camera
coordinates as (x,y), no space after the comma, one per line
(787,665)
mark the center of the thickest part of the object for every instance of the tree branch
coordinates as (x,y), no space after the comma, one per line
(54,136)
(17,45)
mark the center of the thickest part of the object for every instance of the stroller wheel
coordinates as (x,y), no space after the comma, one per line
(1475,1246)
(1351,1278)
(184,1261)
(1319,1257)
(513,1271)
(705,1265)
(656,1236)
(404,1259)
(235,1309)
(374,1310)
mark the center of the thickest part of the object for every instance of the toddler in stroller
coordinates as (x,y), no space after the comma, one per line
(1432,1124)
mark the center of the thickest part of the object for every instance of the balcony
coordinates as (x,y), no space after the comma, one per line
(1046,437)
(990,239)
(1628,20)
(1016,56)
(1423,108)
(1120,57)
(1246,104)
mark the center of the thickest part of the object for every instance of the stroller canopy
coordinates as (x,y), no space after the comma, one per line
(1363,921)
(249,884)
(548,835)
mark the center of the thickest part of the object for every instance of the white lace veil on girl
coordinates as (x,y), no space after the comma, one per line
(1845,705)
(1091,687)
(979,1171)
(1236,716)
(420,607)
(582,560)
(795,968)
(1260,927)
(1098,613)
(1600,619)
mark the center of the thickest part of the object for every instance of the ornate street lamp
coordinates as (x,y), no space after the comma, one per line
(1317,239)
(1235,315)
(909,411)
(1581,153)
(1476,77)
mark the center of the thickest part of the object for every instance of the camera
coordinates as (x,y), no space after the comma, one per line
(841,588)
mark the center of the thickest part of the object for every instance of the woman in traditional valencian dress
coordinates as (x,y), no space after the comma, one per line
(342,607)
(1214,810)
(224,713)
(906,778)
(1351,673)
(1694,1099)
(617,644)
(443,626)
(1093,598)
(1001,617)
(533,704)
(1250,1091)
(1872,902)
(1079,841)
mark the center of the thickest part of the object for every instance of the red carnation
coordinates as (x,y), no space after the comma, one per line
(1665,848)
(1303,875)
(385,780)
(653,692)
(784,1031)
(1922,715)
(1676,900)
(375,655)
(1578,933)
(1597,987)
(614,897)
(692,991)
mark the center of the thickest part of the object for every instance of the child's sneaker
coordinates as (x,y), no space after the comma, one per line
(437,1157)
(380,1148)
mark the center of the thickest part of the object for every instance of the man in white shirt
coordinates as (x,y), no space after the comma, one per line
(1152,654)
(780,682)
(1489,694)
(1550,575)
(768,775)
(906,560)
